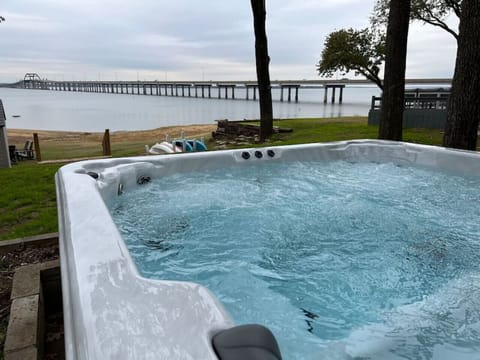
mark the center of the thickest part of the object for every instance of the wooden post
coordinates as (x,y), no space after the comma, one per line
(333,94)
(325,94)
(106,143)
(296,94)
(36,142)
(289,94)
(340,100)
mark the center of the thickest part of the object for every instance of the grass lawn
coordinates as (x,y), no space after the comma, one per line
(347,128)
(28,201)
(28,204)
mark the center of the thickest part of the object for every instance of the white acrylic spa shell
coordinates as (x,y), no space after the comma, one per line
(110,311)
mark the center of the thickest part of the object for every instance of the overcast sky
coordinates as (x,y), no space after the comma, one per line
(187,39)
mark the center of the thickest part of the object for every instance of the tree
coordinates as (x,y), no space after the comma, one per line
(362,51)
(263,74)
(2,19)
(463,113)
(463,109)
(391,119)
(433,12)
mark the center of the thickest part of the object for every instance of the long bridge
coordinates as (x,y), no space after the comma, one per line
(206,89)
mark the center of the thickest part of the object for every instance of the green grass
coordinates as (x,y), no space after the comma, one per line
(346,128)
(28,204)
(323,130)
(28,201)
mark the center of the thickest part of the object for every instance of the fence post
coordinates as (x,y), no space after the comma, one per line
(106,143)
(38,154)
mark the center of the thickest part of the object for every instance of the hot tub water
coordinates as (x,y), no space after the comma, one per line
(331,256)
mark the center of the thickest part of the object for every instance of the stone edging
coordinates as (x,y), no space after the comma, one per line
(28,242)
(26,327)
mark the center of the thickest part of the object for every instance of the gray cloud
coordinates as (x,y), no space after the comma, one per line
(183,39)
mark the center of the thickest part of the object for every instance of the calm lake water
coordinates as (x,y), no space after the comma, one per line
(76,111)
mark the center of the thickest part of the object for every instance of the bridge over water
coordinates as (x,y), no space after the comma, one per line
(288,89)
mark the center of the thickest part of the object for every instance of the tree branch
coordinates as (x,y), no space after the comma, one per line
(454,5)
(436,22)
(370,76)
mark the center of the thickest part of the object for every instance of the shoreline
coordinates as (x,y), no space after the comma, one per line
(20,136)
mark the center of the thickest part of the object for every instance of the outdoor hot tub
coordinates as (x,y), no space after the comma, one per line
(116,307)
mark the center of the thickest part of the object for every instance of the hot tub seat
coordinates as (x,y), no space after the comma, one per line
(253,342)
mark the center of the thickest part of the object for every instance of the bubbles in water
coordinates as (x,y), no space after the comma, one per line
(324,254)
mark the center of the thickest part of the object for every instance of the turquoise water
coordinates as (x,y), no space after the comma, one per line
(338,259)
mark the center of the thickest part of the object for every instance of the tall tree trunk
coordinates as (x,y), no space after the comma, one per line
(463,114)
(263,75)
(391,120)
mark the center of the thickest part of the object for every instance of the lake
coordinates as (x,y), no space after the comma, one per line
(77,111)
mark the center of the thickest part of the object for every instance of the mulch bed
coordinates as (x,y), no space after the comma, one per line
(8,262)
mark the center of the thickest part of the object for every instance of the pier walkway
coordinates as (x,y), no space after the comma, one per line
(206,89)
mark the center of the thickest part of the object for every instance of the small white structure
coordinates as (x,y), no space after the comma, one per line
(164,147)
(4,155)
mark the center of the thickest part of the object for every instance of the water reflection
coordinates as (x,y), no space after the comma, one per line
(76,111)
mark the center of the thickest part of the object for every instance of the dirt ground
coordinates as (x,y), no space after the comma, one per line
(20,136)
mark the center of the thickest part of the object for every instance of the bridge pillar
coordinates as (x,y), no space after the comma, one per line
(333,87)
(289,88)
(247,88)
